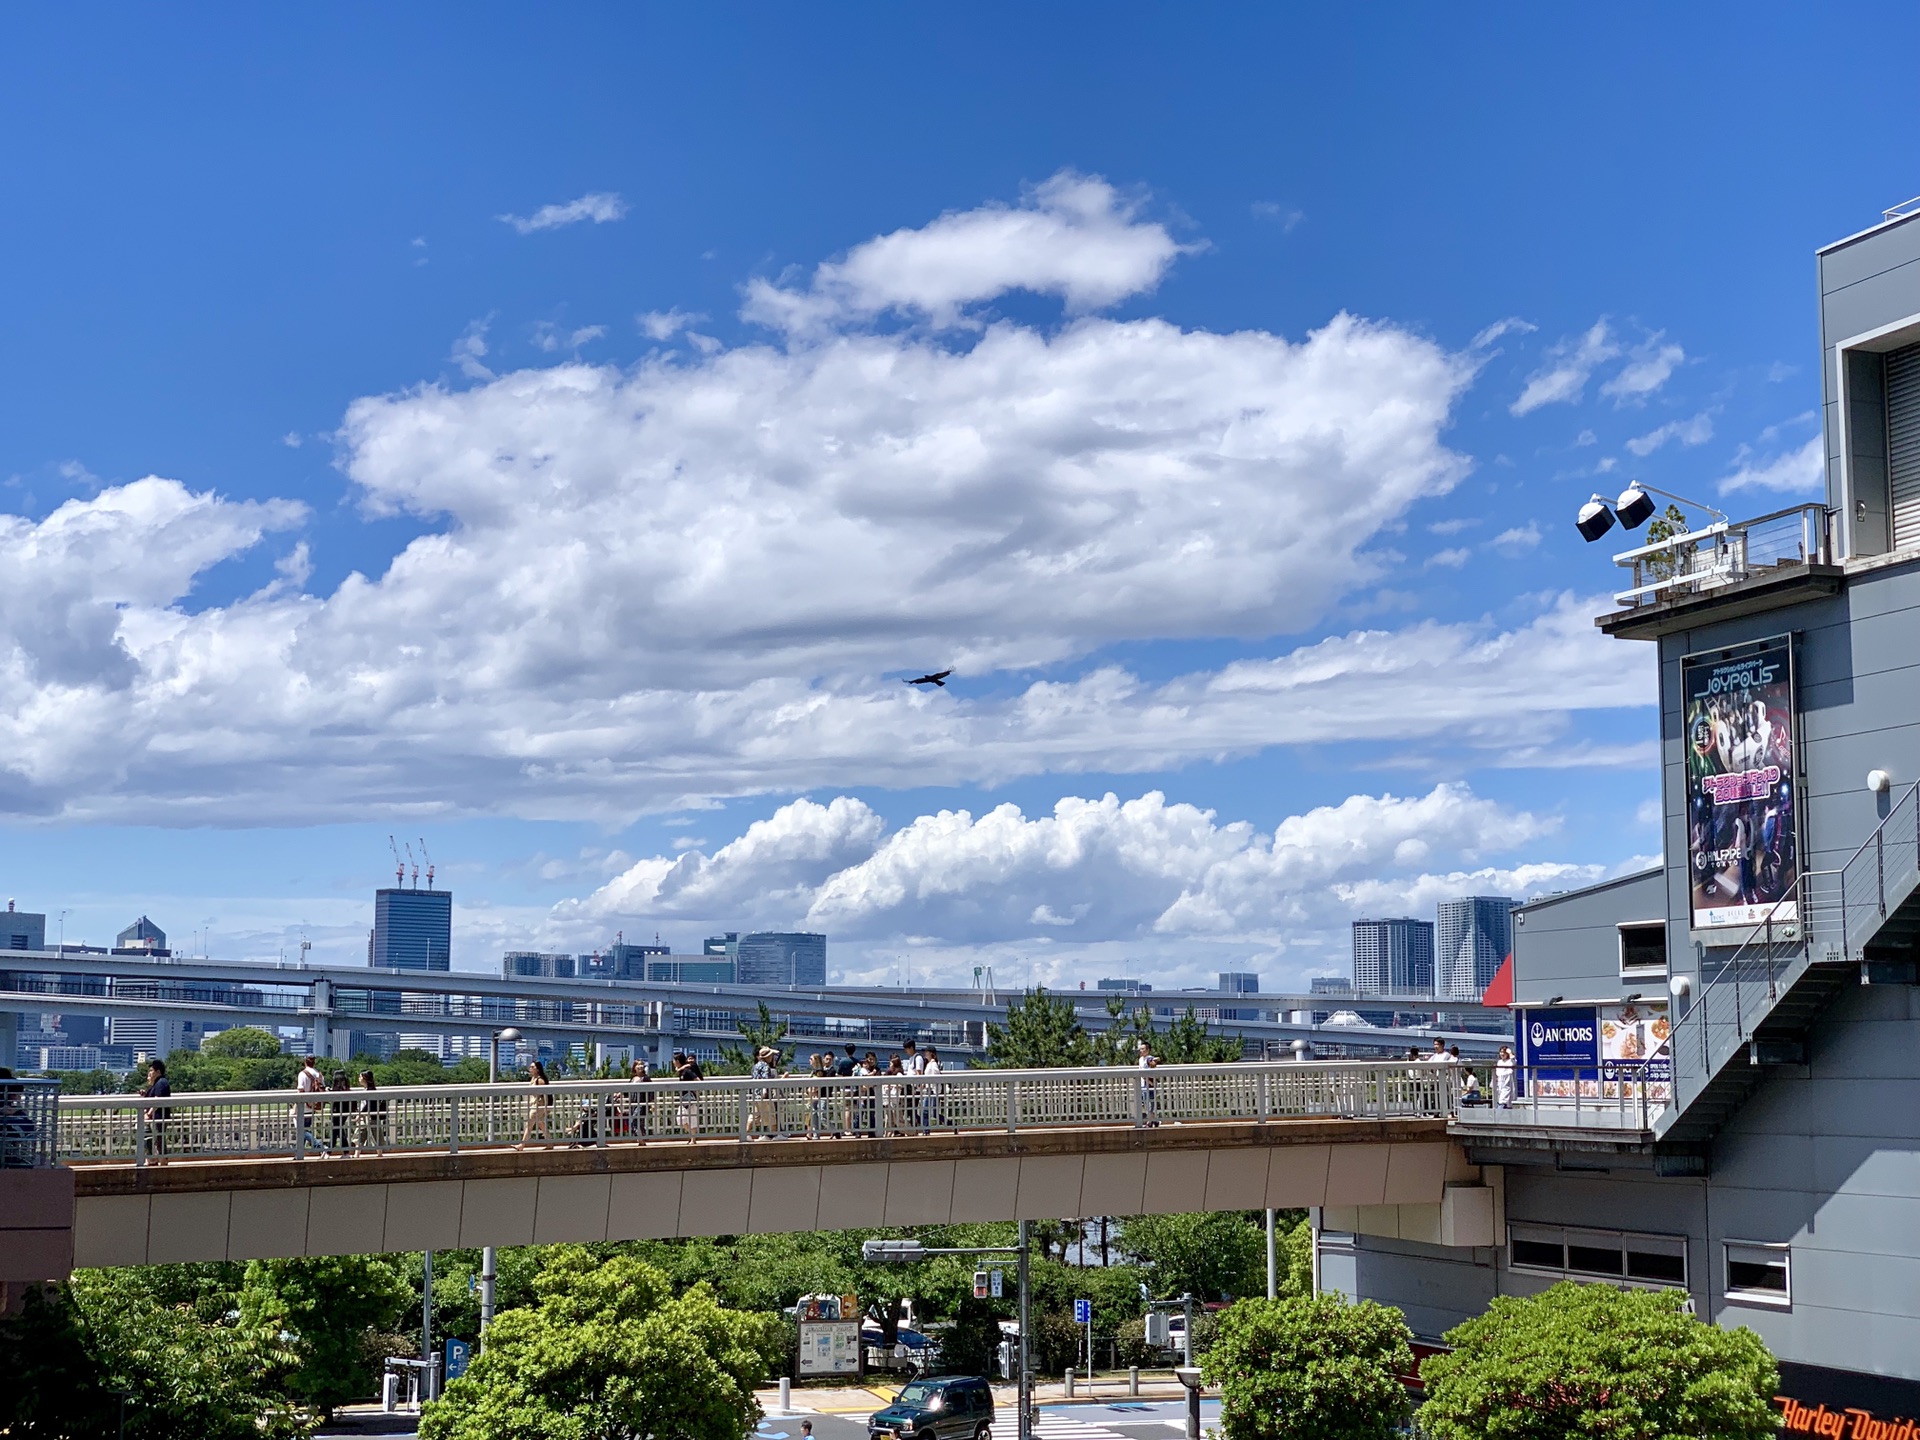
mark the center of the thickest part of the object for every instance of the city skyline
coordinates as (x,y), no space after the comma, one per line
(1313,643)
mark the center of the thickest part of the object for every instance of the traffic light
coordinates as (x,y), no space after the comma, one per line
(979,1284)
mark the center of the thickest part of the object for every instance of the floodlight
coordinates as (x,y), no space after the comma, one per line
(1634,507)
(1594,520)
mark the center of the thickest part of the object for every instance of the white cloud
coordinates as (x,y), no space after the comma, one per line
(600,207)
(1649,368)
(1586,437)
(665,324)
(1093,871)
(1453,526)
(1074,236)
(1570,363)
(1512,325)
(292,440)
(471,349)
(1518,538)
(551,338)
(1452,559)
(1696,431)
(638,588)
(1802,470)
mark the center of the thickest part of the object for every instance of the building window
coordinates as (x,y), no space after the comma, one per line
(1624,1257)
(1758,1273)
(1643,950)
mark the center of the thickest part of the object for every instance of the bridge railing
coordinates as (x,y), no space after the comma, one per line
(27,1124)
(445,1119)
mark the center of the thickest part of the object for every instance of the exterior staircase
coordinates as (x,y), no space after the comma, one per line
(1853,925)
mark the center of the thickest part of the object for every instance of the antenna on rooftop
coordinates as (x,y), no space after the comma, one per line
(399,868)
(429,859)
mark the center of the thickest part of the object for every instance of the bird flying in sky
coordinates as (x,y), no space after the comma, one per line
(938,677)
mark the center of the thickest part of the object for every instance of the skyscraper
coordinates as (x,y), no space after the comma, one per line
(1475,934)
(536,965)
(143,934)
(768,957)
(412,930)
(1392,955)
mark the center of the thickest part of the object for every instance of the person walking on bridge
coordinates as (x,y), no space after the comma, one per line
(157,1089)
(309,1082)
(539,1109)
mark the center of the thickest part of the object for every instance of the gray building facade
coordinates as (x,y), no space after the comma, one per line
(769,957)
(1776,1177)
(1392,955)
(412,930)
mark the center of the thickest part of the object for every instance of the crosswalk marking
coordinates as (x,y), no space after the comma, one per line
(1061,1428)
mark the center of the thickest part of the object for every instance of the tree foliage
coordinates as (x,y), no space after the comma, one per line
(607,1353)
(762,1030)
(164,1339)
(1311,1368)
(242,1042)
(329,1306)
(1215,1256)
(1041,1032)
(1593,1360)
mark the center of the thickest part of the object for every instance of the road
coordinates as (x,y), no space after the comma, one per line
(1102,1420)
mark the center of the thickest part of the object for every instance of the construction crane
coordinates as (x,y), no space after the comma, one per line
(429,859)
(399,867)
(416,866)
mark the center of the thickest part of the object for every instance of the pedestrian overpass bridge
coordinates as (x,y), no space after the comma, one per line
(236,1176)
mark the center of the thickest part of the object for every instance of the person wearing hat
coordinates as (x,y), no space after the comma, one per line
(766,1066)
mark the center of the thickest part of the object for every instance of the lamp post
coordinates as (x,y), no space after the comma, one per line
(488,1256)
(1632,510)
(908,1252)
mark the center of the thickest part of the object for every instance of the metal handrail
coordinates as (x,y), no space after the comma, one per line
(1617,1095)
(444,1119)
(28,1123)
(1726,552)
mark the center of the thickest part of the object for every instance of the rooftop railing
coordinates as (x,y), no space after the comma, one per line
(1726,553)
(446,1119)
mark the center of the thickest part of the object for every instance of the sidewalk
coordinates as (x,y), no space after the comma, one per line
(864,1400)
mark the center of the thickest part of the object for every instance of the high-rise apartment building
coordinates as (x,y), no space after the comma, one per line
(1392,955)
(769,957)
(1474,934)
(536,965)
(412,930)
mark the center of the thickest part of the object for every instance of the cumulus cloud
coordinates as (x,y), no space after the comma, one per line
(601,207)
(1800,470)
(1563,379)
(1518,538)
(551,338)
(1074,236)
(640,587)
(1451,559)
(1093,872)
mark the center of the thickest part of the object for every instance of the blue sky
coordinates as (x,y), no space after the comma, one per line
(571,334)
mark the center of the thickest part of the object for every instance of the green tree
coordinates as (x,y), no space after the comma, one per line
(1311,1369)
(1592,1360)
(243,1042)
(329,1306)
(607,1353)
(1216,1255)
(762,1030)
(1041,1032)
(1187,1041)
(163,1337)
(421,1067)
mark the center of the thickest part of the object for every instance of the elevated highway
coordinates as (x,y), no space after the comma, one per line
(332,1000)
(228,1176)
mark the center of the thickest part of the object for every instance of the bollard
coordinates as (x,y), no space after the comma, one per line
(786,1395)
(1133,1380)
(1069,1382)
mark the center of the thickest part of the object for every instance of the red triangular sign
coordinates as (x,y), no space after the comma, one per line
(1500,989)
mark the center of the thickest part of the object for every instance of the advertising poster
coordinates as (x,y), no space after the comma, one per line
(1738,725)
(1594,1051)
(829,1347)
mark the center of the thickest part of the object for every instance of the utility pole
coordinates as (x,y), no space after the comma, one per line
(1273,1268)
(426,1333)
(1024,1387)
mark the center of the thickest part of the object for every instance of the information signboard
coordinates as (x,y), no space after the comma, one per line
(829,1347)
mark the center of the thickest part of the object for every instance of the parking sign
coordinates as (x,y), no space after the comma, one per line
(1083,1312)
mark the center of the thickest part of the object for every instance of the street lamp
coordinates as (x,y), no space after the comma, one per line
(512,1037)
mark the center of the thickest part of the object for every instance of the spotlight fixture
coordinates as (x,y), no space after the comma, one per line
(1595,520)
(1634,507)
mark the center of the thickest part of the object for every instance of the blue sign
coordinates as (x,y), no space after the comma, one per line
(1083,1312)
(458,1353)
(1566,1036)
